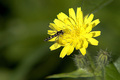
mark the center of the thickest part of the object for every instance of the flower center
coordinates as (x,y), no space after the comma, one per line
(71,36)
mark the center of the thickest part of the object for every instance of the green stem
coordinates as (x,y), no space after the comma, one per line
(93,68)
(92,65)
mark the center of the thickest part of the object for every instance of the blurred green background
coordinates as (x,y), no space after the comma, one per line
(23,27)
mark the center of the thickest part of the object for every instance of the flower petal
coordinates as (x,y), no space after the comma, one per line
(59,24)
(53,39)
(89,28)
(54,27)
(95,33)
(64,51)
(68,24)
(93,41)
(51,32)
(79,45)
(88,35)
(95,22)
(90,18)
(72,21)
(74,42)
(85,43)
(83,51)
(72,13)
(79,16)
(55,46)
(61,16)
(71,49)
(85,19)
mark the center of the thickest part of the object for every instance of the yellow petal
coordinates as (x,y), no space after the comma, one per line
(55,46)
(95,22)
(71,49)
(95,33)
(79,16)
(68,24)
(89,28)
(85,19)
(72,21)
(75,42)
(85,43)
(51,32)
(54,27)
(78,45)
(88,35)
(62,16)
(90,18)
(64,51)
(72,13)
(93,41)
(53,39)
(59,24)
(83,51)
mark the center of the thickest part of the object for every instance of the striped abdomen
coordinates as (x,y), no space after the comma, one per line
(57,34)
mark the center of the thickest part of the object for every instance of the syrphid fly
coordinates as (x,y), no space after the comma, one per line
(52,36)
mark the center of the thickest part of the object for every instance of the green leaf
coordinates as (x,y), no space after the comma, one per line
(75,74)
(117,64)
(111,73)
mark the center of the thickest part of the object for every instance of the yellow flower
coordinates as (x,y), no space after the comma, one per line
(77,32)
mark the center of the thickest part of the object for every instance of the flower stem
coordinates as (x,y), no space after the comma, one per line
(92,65)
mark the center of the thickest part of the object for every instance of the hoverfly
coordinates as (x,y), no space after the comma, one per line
(57,34)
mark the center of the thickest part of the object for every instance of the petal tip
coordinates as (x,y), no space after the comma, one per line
(61,56)
(79,8)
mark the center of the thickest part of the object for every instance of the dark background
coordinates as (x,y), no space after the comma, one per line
(23,27)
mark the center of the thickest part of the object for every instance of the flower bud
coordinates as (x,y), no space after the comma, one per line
(81,61)
(103,58)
